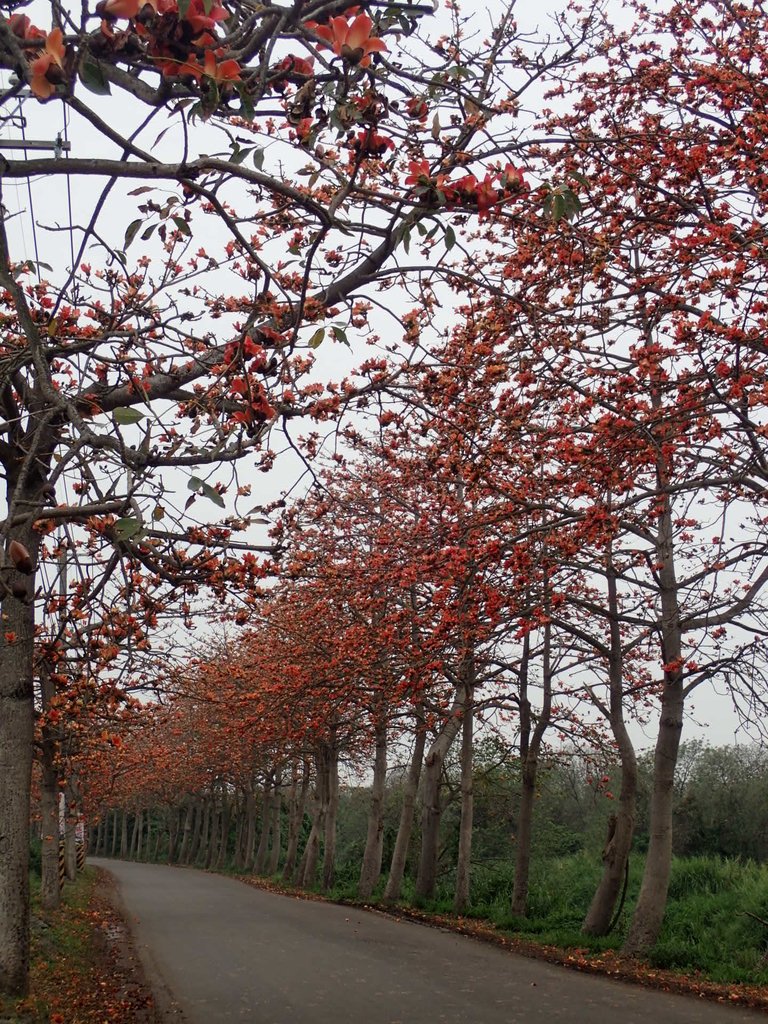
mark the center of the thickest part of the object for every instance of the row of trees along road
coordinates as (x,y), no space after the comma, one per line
(557,516)
(247,189)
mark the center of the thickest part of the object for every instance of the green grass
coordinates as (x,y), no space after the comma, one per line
(708,927)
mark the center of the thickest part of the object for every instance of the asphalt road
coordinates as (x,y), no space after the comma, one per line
(217,951)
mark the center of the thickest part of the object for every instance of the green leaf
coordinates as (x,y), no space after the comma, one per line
(183,8)
(449,238)
(239,154)
(127,416)
(247,109)
(93,78)
(182,225)
(258,158)
(147,232)
(317,338)
(131,231)
(127,528)
(213,494)
(195,483)
(578,176)
(341,335)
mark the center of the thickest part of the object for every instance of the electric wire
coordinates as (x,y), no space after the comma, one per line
(65,133)
(31,200)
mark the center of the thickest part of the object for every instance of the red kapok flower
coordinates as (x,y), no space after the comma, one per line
(513,179)
(350,40)
(226,71)
(419,173)
(23,28)
(371,143)
(202,20)
(46,68)
(416,107)
(292,65)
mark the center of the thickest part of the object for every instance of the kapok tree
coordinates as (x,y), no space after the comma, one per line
(133,382)
(647,316)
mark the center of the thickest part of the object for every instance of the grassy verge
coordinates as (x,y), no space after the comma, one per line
(82,968)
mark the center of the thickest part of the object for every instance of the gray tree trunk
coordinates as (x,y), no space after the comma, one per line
(16,739)
(374,842)
(306,872)
(212,839)
(464,859)
(138,824)
(405,828)
(249,838)
(202,814)
(332,813)
(263,848)
(275,829)
(619,842)
(530,747)
(223,851)
(50,885)
(186,832)
(296,807)
(113,847)
(647,919)
(124,836)
(431,807)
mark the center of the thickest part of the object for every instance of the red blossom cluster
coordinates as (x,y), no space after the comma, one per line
(482,195)
(180,45)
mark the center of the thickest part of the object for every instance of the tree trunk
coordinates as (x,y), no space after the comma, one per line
(374,843)
(97,840)
(249,839)
(530,746)
(619,841)
(308,867)
(186,832)
(113,848)
(201,853)
(275,830)
(70,833)
(260,863)
(201,819)
(329,833)
(431,808)
(296,806)
(211,846)
(239,814)
(124,837)
(306,872)
(410,789)
(138,823)
(464,860)
(50,885)
(649,912)
(226,811)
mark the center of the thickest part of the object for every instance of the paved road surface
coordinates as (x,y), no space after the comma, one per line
(228,952)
